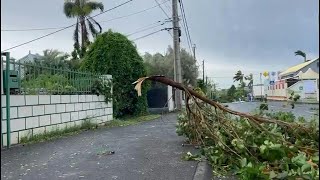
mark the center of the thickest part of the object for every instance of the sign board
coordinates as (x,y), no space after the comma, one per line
(271,82)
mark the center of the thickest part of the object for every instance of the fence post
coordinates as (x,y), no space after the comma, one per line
(7,54)
(1,98)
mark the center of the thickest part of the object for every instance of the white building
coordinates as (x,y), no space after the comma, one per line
(301,79)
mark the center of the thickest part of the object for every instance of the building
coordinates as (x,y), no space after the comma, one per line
(301,79)
(29,58)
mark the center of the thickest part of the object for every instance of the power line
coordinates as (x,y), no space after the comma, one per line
(167,6)
(115,7)
(185,23)
(186,33)
(120,17)
(144,10)
(159,5)
(31,29)
(145,28)
(151,34)
(78,23)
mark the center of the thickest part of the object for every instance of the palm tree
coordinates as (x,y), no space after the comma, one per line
(301,53)
(81,9)
(238,77)
(250,79)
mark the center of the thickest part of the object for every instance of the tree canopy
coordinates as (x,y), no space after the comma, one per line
(159,64)
(112,53)
(81,10)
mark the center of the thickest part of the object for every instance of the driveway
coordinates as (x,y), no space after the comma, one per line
(150,150)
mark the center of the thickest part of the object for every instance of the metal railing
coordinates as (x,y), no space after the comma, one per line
(41,77)
(32,78)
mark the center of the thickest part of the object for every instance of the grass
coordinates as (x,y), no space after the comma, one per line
(131,121)
(86,125)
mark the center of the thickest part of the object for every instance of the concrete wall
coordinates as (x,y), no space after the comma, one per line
(301,89)
(35,114)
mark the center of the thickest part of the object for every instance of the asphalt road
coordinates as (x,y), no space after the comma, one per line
(304,110)
(147,151)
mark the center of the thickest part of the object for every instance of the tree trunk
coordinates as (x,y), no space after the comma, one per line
(174,84)
(83,33)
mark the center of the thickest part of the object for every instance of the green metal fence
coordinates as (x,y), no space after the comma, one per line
(31,78)
(41,77)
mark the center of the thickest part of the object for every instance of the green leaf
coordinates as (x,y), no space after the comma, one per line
(315,159)
(243,162)
(262,148)
(305,167)
(282,175)
(272,175)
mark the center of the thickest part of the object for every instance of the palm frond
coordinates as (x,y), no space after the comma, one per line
(95,22)
(95,5)
(300,53)
(93,30)
(69,8)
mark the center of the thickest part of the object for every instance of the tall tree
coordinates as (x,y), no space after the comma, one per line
(159,64)
(81,10)
(238,77)
(301,53)
(250,83)
(113,53)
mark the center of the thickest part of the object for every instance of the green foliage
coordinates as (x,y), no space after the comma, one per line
(301,53)
(112,53)
(81,10)
(253,153)
(201,85)
(232,94)
(131,120)
(263,107)
(51,84)
(159,64)
(294,98)
(57,133)
(103,87)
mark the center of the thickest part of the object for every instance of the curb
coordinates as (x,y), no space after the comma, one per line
(203,171)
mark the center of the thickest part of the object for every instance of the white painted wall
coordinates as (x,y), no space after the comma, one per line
(300,88)
(35,114)
(170,99)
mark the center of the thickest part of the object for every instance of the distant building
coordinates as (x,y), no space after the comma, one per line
(302,79)
(29,58)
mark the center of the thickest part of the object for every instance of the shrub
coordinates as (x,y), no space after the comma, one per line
(112,53)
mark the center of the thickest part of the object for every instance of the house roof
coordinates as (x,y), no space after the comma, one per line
(309,74)
(29,58)
(297,67)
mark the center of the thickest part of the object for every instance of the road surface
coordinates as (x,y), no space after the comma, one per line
(150,150)
(304,110)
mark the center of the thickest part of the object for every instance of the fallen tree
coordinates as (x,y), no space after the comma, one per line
(254,147)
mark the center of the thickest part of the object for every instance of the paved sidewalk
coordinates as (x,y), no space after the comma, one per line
(148,151)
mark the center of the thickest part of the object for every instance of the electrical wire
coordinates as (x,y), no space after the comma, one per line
(185,23)
(146,28)
(116,18)
(159,5)
(115,7)
(150,34)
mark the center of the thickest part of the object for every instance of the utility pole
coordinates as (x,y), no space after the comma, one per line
(203,70)
(194,52)
(176,50)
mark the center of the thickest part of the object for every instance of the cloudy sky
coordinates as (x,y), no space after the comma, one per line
(230,35)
